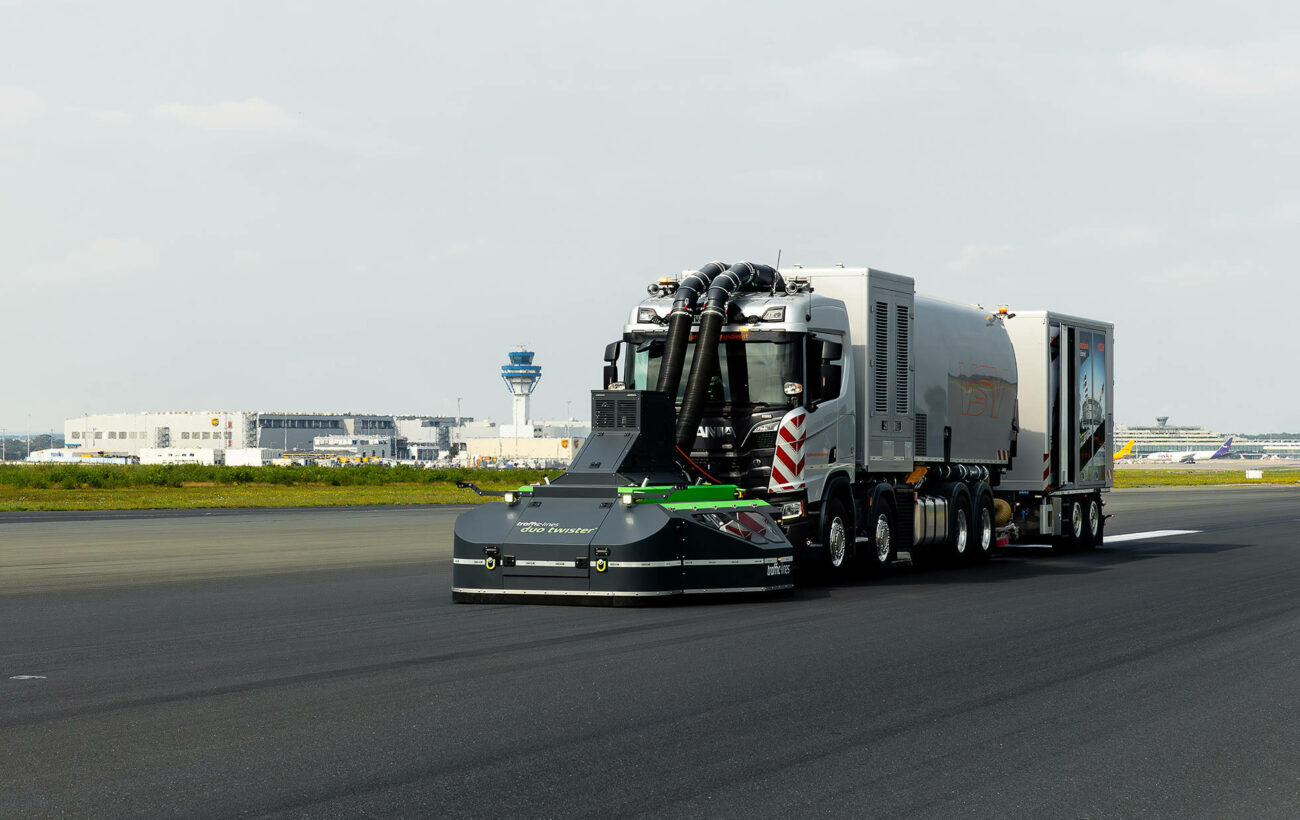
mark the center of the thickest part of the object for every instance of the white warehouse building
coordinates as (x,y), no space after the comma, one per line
(131,433)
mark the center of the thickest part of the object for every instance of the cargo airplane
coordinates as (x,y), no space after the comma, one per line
(1191,456)
(1125,451)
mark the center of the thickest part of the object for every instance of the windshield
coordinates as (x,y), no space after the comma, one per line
(747,372)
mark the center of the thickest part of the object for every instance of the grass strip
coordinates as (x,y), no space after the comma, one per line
(1199,478)
(192,486)
(188,486)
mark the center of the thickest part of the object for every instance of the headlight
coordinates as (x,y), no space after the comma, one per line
(792,509)
(511,498)
(774,314)
(628,499)
(766,426)
(647,315)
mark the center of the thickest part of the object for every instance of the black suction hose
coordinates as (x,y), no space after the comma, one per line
(706,344)
(679,325)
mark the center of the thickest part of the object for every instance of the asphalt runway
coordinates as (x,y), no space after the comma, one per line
(311,663)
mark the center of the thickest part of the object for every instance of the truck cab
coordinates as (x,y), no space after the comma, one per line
(778,420)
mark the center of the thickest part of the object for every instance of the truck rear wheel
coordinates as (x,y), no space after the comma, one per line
(960,544)
(883,549)
(985,533)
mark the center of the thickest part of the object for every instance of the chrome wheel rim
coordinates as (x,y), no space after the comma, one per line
(963,533)
(1076,520)
(986,531)
(837,544)
(884,539)
(1094,517)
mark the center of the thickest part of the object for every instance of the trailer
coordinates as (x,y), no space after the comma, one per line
(1067,415)
(831,419)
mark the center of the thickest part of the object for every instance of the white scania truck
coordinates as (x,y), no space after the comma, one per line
(764,423)
(879,421)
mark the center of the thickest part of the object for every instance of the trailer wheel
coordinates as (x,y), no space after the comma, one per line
(837,539)
(1075,526)
(985,534)
(883,548)
(1093,523)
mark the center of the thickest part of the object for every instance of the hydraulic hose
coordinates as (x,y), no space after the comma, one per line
(679,325)
(712,317)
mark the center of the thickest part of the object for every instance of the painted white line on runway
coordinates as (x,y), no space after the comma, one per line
(1140,536)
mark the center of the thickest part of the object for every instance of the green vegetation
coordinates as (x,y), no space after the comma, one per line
(114,487)
(187,486)
(1188,478)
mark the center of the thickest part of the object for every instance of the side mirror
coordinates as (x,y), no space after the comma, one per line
(832,351)
(611,351)
(609,376)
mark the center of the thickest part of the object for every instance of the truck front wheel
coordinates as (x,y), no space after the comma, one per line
(837,539)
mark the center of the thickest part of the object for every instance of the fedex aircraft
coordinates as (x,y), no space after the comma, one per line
(1191,456)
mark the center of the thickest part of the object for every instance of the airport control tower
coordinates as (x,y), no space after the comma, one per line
(521,377)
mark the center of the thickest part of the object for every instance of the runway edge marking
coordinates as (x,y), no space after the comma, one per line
(1141,536)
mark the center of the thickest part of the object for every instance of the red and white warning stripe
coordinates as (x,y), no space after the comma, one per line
(787,464)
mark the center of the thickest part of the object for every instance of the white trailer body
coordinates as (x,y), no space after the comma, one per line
(1066,403)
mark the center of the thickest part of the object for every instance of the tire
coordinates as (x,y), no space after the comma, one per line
(1072,517)
(837,540)
(1093,523)
(985,533)
(959,544)
(882,526)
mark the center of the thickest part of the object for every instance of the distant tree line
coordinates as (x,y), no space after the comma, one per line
(15,447)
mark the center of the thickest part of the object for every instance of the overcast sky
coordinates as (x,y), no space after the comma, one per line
(362,206)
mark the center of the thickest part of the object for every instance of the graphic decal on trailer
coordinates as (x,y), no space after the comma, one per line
(1092,406)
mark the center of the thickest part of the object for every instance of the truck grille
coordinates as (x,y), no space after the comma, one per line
(761,441)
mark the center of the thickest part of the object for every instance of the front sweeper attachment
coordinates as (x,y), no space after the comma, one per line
(622,526)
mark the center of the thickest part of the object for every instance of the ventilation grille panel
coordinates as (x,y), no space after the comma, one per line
(902,395)
(615,413)
(922,434)
(881,360)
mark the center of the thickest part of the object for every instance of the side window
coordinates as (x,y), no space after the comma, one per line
(812,388)
(823,369)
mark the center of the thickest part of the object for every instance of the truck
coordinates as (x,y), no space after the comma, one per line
(820,421)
